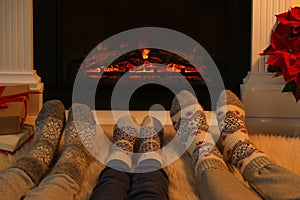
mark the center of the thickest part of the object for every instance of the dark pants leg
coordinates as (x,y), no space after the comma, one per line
(149,185)
(117,185)
(112,184)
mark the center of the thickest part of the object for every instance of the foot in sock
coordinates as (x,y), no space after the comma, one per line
(188,117)
(238,150)
(124,136)
(49,127)
(79,134)
(151,135)
(150,141)
(189,121)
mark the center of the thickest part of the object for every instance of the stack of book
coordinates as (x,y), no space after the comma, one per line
(12,142)
(14,130)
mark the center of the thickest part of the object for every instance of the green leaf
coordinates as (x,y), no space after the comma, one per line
(290,86)
(294,88)
(296,93)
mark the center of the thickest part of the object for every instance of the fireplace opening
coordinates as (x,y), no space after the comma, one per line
(66,31)
(139,64)
(152,71)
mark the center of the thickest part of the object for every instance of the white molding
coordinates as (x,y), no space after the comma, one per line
(13,78)
(263,19)
(16,35)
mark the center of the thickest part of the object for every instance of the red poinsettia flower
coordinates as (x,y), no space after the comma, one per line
(284,50)
(291,18)
(291,71)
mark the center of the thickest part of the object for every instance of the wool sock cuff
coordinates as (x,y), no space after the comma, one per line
(121,156)
(69,168)
(118,165)
(204,164)
(255,165)
(148,165)
(150,155)
(32,167)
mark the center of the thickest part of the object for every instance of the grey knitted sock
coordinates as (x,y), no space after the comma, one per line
(79,135)
(49,126)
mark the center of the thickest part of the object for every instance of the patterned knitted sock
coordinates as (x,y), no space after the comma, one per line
(189,121)
(124,137)
(49,127)
(79,134)
(151,138)
(238,150)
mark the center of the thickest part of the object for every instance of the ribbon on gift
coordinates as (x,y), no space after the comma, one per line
(17,97)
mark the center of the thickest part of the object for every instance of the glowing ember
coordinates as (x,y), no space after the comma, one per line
(142,64)
(145,53)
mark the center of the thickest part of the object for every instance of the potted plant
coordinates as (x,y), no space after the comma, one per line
(284,50)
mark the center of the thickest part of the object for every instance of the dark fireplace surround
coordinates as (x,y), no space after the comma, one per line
(66,31)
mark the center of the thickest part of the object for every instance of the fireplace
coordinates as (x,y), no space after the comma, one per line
(66,31)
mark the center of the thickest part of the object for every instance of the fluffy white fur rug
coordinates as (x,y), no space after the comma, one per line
(283,151)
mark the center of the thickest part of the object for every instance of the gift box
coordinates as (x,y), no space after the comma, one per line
(13,108)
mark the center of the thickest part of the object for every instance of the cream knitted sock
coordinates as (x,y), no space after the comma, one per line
(189,121)
(238,150)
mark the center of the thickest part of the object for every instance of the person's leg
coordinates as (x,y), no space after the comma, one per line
(112,184)
(115,180)
(213,178)
(27,172)
(57,186)
(269,180)
(149,180)
(149,185)
(64,180)
(15,184)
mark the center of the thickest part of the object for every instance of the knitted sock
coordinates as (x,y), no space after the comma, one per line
(238,150)
(49,126)
(151,138)
(79,134)
(189,121)
(124,137)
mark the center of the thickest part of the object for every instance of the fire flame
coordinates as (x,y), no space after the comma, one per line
(145,53)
